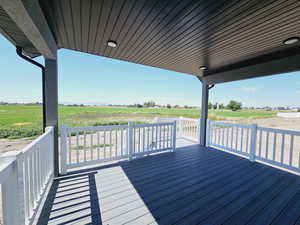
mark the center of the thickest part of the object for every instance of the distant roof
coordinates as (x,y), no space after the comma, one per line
(234,39)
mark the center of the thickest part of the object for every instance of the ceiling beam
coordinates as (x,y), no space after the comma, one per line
(29,17)
(286,64)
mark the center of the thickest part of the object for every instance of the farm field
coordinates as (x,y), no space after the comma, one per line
(25,120)
(20,124)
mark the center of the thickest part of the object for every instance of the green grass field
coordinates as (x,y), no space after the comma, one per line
(25,120)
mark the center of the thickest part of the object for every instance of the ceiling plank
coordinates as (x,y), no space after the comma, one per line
(30,19)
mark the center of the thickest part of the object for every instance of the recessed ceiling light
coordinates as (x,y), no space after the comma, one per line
(291,40)
(203,68)
(112,44)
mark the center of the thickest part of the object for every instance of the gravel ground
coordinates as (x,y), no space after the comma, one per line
(7,145)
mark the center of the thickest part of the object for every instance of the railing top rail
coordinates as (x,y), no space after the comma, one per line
(292,132)
(297,133)
(189,119)
(96,128)
(29,147)
(112,127)
(229,124)
(153,124)
(168,118)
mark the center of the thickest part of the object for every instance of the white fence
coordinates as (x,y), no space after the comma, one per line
(24,178)
(189,128)
(274,146)
(82,146)
(186,127)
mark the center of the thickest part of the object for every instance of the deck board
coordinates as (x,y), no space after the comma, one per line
(190,186)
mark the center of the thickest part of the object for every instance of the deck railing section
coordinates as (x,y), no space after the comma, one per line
(229,136)
(274,146)
(148,138)
(279,147)
(186,127)
(189,128)
(24,178)
(82,146)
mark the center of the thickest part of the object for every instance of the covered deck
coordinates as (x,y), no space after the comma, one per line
(188,186)
(217,42)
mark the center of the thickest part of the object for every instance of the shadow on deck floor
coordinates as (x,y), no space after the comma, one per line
(190,186)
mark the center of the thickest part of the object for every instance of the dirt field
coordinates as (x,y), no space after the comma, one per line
(7,145)
(281,123)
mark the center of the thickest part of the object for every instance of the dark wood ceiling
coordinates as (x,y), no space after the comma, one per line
(178,35)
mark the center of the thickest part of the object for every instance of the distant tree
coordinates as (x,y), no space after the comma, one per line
(176,106)
(215,106)
(149,104)
(169,106)
(210,105)
(139,105)
(221,106)
(234,105)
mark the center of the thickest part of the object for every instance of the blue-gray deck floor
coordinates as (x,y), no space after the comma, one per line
(193,185)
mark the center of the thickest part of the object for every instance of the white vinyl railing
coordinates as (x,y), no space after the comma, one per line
(274,146)
(189,128)
(229,136)
(82,146)
(279,147)
(186,127)
(24,178)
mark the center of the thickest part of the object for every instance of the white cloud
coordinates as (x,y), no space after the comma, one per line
(249,89)
(298,92)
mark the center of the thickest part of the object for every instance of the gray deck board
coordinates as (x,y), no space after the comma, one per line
(190,186)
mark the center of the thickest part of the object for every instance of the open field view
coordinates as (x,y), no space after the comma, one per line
(25,120)
(20,124)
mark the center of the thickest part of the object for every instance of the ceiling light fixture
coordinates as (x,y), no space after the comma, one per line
(291,40)
(203,68)
(112,44)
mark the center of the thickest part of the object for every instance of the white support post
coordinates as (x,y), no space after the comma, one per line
(10,203)
(174,136)
(208,133)
(63,149)
(180,130)
(199,130)
(130,140)
(253,142)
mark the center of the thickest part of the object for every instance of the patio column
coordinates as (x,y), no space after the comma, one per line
(204,113)
(51,103)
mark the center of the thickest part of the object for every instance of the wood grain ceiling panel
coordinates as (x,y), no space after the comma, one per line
(178,35)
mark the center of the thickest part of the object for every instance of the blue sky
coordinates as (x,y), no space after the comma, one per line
(90,79)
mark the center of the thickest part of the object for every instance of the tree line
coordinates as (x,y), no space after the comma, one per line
(232,105)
